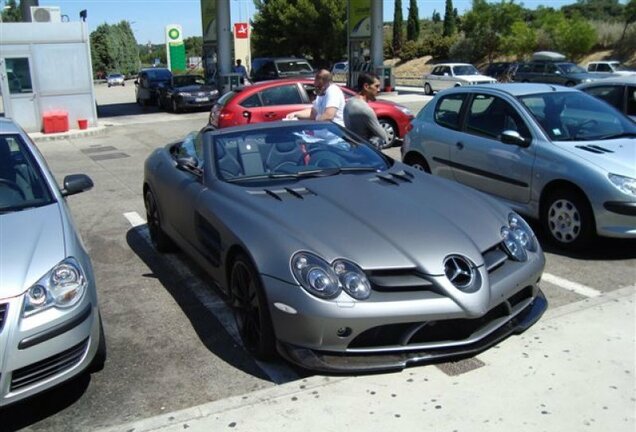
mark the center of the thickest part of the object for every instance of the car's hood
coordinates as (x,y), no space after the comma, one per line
(475,78)
(195,88)
(381,223)
(31,243)
(615,156)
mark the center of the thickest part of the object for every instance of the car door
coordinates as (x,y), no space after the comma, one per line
(275,102)
(479,158)
(447,79)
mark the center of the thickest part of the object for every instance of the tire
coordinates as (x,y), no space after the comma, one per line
(418,162)
(427,89)
(391,132)
(97,364)
(567,219)
(159,238)
(108,85)
(251,310)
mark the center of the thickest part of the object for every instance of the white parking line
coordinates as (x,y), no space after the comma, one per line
(578,288)
(277,373)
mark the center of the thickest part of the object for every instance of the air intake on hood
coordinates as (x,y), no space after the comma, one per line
(393,177)
(594,149)
(280,194)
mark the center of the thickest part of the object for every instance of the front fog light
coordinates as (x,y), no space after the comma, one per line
(36,295)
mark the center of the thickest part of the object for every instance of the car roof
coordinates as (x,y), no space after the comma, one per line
(8,126)
(603,61)
(452,64)
(515,89)
(624,79)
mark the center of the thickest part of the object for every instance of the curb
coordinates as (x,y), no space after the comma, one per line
(71,134)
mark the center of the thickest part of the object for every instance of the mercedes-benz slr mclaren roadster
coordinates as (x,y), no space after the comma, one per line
(337,257)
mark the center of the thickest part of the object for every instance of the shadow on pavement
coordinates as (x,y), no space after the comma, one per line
(43,405)
(207,326)
(125,109)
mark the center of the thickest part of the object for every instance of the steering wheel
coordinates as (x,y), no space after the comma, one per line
(587,123)
(325,159)
(12,185)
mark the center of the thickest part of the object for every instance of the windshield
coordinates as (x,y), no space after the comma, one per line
(22,184)
(159,74)
(577,116)
(465,70)
(570,68)
(115,76)
(186,80)
(294,151)
(294,66)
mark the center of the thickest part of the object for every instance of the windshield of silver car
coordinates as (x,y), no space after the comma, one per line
(294,151)
(465,70)
(22,184)
(577,116)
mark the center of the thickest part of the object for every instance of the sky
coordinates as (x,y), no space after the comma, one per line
(148,18)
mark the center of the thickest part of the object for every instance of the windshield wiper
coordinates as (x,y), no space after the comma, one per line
(619,135)
(323,172)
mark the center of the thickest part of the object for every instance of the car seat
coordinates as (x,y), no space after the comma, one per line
(285,155)
(227,164)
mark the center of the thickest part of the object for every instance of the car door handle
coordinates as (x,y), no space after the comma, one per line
(270,115)
(459,145)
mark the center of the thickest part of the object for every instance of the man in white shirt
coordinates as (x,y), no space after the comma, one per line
(329,103)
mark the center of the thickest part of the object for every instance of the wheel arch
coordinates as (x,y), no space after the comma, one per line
(561,184)
(414,155)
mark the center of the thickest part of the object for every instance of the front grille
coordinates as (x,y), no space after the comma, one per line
(3,313)
(398,280)
(46,368)
(423,332)
(495,257)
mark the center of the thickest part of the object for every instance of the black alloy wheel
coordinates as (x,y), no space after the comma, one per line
(159,239)
(250,310)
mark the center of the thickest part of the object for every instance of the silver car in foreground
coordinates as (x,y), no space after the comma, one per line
(550,152)
(340,258)
(50,327)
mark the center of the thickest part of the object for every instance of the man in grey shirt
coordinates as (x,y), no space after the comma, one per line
(359,118)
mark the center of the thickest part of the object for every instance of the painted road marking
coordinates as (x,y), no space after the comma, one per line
(277,373)
(578,288)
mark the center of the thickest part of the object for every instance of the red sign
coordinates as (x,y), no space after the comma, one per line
(241,30)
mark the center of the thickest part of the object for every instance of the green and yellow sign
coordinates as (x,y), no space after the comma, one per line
(359,19)
(175,48)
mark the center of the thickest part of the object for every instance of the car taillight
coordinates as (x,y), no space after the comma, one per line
(226,115)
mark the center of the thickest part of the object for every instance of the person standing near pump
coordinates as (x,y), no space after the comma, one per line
(240,69)
(329,104)
(359,118)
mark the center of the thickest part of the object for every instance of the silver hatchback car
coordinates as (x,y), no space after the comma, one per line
(50,326)
(550,152)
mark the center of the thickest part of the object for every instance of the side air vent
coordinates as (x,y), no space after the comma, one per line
(594,149)
(282,194)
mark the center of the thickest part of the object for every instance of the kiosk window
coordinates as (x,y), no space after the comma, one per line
(19,75)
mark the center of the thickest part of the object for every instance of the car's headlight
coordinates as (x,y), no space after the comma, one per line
(405,110)
(518,238)
(63,286)
(214,92)
(624,184)
(184,94)
(327,281)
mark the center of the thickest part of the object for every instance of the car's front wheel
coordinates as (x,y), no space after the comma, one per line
(391,132)
(427,89)
(250,309)
(417,162)
(160,239)
(567,218)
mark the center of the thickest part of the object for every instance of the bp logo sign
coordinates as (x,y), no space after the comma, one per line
(174,34)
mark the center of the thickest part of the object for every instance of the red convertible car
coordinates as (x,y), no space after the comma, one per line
(273,100)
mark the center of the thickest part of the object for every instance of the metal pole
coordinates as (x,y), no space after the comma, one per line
(377,54)
(224,37)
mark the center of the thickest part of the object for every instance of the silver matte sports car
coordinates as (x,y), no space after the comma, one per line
(337,257)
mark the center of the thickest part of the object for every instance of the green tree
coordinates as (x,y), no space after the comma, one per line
(629,16)
(575,37)
(114,49)
(413,22)
(521,41)
(317,26)
(450,27)
(11,13)
(602,10)
(436,17)
(193,46)
(397,28)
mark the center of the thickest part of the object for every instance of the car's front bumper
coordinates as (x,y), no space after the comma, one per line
(195,102)
(392,329)
(616,219)
(45,349)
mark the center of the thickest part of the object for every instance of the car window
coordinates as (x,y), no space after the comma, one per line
(448,109)
(631,101)
(551,68)
(524,68)
(465,70)
(186,80)
(576,116)
(489,116)
(603,67)
(191,147)
(22,184)
(311,91)
(253,101)
(283,95)
(446,70)
(570,68)
(287,152)
(591,67)
(613,95)
(293,66)
(538,67)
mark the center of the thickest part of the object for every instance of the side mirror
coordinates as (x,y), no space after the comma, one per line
(558,72)
(445,73)
(76,183)
(136,82)
(512,137)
